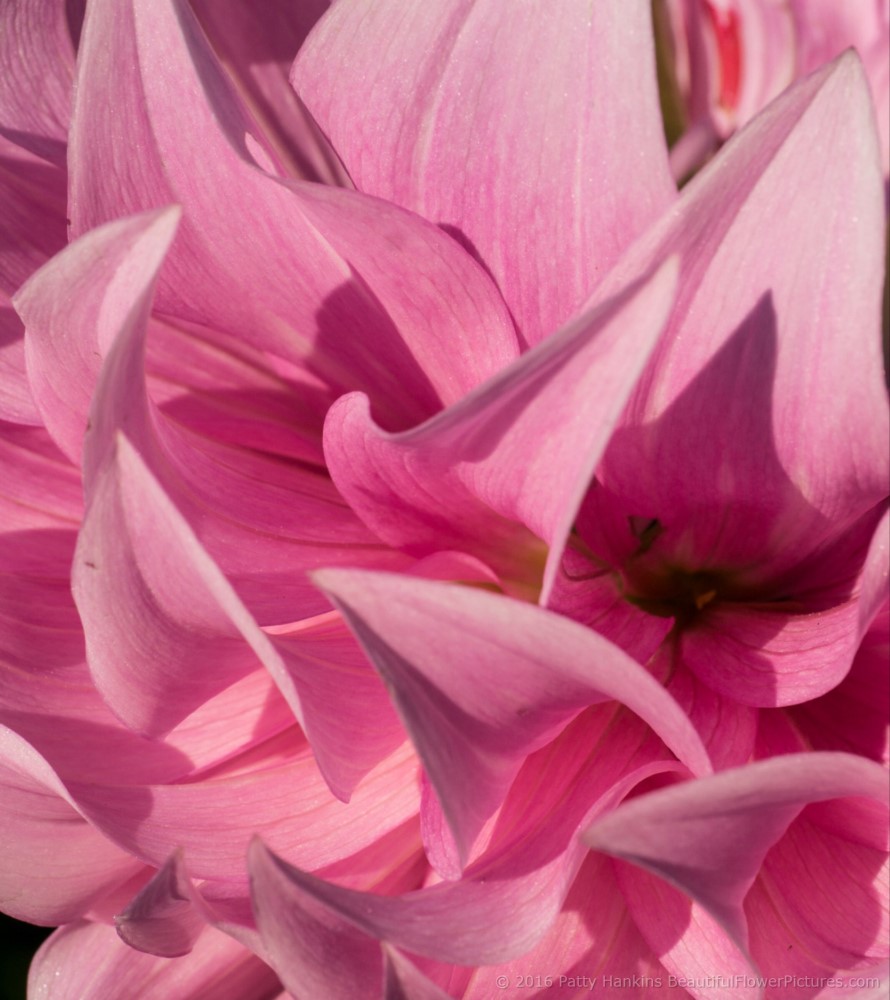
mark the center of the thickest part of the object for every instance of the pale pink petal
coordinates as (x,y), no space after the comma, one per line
(163,919)
(824,29)
(37,54)
(521,448)
(75,306)
(713,445)
(16,400)
(316,275)
(591,937)
(709,837)
(823,891)
(87,961)
(275,788)
(257,46)
(546,174)
(55,864)
(691,944)
(481,680)
(404,981)
(504,904)
(41,489)
(144,585)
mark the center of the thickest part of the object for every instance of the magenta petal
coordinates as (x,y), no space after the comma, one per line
(713,437)
(481,681)
(316,275)
(42,832)
(522,447)
(547,174)
(87,961)
(709,837)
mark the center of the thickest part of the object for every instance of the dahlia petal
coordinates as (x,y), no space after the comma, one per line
(522,447)
(713,430)
(709,837)
(404,981)
(277,788)
(37,54)
(316,275)
(258,52)
(481,681)
(32,214)
(855,716)
(16,400)
(593,172)
(163,919)
(826,882)
(73,310)
(143,583)
(495,913)
(55,863)
(88,961)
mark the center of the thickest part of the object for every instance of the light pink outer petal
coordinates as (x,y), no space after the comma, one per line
(276,788)
(500,909)
(165,630)
(521,447)
(37,55)
(709,837)
(823,891)
(482,680)
(714,446)
(257,46)
(74,307)
(547,173)
(691,944)
(358,291)
(164,918)
(87,961)
(55,864)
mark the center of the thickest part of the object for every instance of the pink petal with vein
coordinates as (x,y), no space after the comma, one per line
(257,47)
(546,174)
(713,445)
(498,681)
(316,275)
(709,837)
(521,448)
(43,834)
(87,961)
(37,53)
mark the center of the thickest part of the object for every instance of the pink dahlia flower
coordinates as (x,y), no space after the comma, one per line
(732,57)
(439,560)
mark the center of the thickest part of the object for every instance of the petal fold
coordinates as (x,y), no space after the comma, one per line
(709,837)
(481,681)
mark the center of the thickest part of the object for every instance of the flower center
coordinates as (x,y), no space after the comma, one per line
(676,593)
